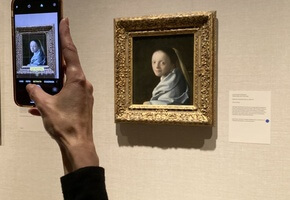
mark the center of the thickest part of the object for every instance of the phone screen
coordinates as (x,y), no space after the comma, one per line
(36,53)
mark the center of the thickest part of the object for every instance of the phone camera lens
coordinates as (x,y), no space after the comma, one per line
(28,6)
(41,5)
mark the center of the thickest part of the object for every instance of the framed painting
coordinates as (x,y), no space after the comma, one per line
(165,68)
(27,38)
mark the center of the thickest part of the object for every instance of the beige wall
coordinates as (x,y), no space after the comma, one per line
(160,162)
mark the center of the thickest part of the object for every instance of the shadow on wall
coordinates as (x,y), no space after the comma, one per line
(167,136)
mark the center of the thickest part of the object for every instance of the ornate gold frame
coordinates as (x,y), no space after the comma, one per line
(203,26)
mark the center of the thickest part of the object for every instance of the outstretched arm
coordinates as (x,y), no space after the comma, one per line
(67,116)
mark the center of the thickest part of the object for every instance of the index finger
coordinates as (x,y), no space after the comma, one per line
(69,51)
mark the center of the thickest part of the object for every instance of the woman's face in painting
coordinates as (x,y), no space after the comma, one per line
(33,47)
(161,64)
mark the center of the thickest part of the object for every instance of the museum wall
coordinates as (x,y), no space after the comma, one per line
(157,161)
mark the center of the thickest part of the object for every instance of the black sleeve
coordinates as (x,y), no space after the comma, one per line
(87,183)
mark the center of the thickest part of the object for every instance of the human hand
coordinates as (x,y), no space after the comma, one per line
(67,116)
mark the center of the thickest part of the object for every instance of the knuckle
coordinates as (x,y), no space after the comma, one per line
(81,80)
(90,87)
(70,47)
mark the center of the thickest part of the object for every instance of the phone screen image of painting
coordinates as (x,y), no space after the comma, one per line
(147,83)
(37,41)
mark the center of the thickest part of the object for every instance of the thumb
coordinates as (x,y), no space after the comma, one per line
(36,94)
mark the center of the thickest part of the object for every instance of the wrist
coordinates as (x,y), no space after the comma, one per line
(80,155)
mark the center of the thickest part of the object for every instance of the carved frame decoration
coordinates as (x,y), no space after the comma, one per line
(203,27)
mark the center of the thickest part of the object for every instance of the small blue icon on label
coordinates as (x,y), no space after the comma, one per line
(267,121)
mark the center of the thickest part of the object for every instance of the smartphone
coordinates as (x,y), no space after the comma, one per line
(36,49)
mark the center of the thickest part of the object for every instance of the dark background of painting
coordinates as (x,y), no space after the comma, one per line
(144,79)
(26,39)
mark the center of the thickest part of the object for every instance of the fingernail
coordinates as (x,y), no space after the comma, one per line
(29,87)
